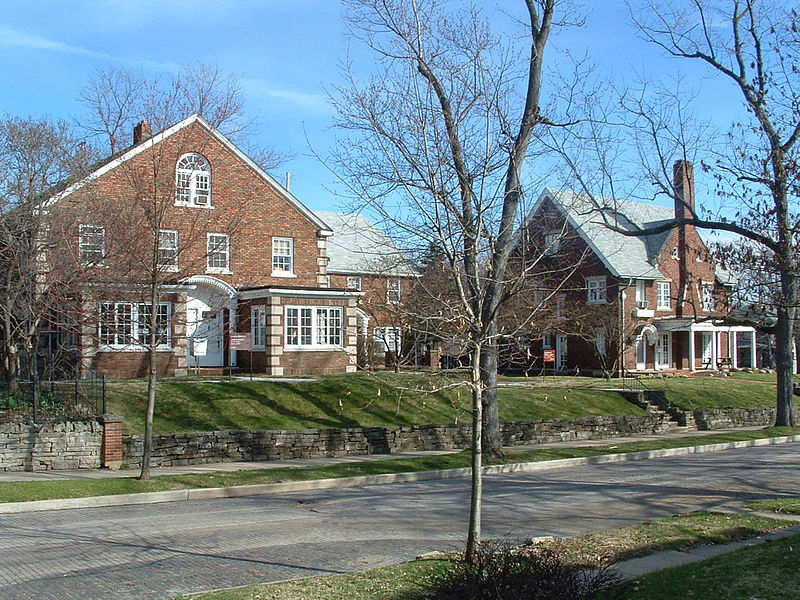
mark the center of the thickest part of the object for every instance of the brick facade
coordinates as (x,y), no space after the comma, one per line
(666,313)
(224,237)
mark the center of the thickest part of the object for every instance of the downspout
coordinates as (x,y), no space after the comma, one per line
(622,297)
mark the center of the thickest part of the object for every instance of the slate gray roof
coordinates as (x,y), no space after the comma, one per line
(625,256)
(358,246)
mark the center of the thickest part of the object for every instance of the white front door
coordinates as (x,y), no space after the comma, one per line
(641,354)
(561,352)
(706,343)
(204,331)
(664,351)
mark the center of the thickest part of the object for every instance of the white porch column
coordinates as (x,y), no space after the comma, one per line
(753,349)
(714,348)
(691,348)
(735,350)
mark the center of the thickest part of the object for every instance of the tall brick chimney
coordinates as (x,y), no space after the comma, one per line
(683,182)
(142,131)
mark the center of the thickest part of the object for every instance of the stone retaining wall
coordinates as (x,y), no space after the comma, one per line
(721,418)
(73,445)
(220,446)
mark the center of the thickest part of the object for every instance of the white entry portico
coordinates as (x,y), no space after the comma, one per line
(210,317)
(706,336)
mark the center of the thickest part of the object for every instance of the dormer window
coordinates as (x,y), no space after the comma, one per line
(551,243)
(193,181)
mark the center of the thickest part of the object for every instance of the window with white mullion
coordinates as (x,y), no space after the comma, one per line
(168,249)
(258,326)
(283,255)
(663,295)
(193,181)
(218,252)
(596,290)
(313,326)
(92,244)
(128,323)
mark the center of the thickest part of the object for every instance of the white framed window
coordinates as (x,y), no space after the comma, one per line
(128,324)
(354,283)
(561,300)
(258,325)
(218,253)
(600,342)
(393,291)
(596,290)
(674,253)
(641,293)
(282,256)
(314,326)
(92,244)
(193,181)
(552,243)
(663,295)
(168,249)
(390,339)
(707,291)
(547,341)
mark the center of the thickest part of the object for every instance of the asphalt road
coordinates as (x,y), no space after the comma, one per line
(162,550)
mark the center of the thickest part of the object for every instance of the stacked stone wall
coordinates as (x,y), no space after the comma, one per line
(722,418)
(57,446)
(220,446)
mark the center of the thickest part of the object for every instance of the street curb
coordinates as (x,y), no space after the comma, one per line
(367,480)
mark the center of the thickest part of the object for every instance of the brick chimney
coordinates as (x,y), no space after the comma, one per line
(142,131)
(683,182)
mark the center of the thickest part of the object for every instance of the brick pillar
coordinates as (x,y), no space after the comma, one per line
(112,441)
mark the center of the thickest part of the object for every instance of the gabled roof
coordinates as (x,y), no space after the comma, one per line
(625,256)
(358,246)
(122,158)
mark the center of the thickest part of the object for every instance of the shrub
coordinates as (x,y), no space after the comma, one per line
(502,571)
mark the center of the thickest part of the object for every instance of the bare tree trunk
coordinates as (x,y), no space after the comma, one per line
(151,384)
(784,342)
(474,531)
(492,442)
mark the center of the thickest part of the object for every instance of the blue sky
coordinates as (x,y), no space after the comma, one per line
(286,52)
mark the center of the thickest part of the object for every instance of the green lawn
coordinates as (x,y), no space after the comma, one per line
(347,400)
(767,571)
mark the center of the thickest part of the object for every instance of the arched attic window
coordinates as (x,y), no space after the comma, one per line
(193,181)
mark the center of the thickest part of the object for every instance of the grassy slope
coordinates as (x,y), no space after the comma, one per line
(693,393)
(352,400)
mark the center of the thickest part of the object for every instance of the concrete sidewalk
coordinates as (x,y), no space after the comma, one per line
(611,443)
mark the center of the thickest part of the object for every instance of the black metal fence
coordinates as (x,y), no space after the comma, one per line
(40,401)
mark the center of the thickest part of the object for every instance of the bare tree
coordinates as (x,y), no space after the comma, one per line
(752,44)
(35,156)
(437,141)
(118,99)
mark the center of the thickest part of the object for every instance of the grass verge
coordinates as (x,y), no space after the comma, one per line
(789,506)
(767,571)
(47,490)
(409,581)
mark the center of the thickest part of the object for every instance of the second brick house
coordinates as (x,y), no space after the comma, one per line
(653,302)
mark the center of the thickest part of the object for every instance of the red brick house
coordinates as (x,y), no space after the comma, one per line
(236,253)
(363,259)
(658,301)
